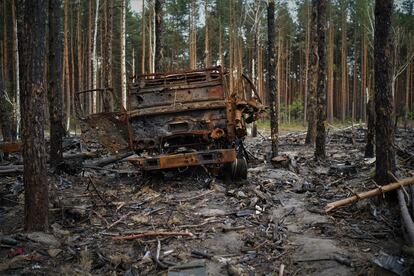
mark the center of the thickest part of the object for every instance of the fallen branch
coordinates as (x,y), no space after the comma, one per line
(369,194)
(119,220)
(153,234)
(80,155)
(110,159)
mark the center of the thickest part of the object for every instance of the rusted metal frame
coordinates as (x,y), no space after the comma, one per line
(102,90)
(213,68)
(253,87)
(172,110)
(190,159)
(196,85)
(9,147)
(178,102)
(123,111)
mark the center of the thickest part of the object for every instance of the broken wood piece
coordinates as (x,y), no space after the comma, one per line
(119,220)
(80,155)
(153,234)
(369,194)
(110,159)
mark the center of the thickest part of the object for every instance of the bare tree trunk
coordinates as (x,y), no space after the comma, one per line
(66,65)
(95,59)
(308,29)
(55,94)
(159,40)
(33,100)
(274,104)
(344,62)
(123,65)
(79,50)
(331,54)
(143,35)
(207,61)
(321,90)
(90,58)
(107,56)
(384,131)
(16,69)
(364,67)
(311,134)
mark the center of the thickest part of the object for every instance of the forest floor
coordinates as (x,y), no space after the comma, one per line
(273,221)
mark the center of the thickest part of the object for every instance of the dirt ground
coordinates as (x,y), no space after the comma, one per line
(273,221)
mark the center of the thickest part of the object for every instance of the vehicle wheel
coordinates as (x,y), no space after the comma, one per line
(236,170)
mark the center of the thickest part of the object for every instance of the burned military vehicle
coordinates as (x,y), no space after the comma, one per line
(179,120)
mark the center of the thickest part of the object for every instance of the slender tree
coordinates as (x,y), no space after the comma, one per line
(384,131)
(274,104)
(321,90)
(159,40)
(55,94)
(123,56)
(66,64)
(33,100)
(313,82)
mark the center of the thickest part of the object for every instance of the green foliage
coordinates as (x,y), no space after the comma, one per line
(410,115)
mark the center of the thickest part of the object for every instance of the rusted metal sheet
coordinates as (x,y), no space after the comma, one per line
(172,113)
(9,147)
(180,160)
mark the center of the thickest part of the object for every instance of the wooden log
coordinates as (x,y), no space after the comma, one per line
(81,155)
(111,159)
(369,194)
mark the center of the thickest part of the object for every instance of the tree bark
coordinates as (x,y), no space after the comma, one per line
(274,104)
(307,54)
(33,99)
(123,61)
(66,65)
(207,61)
(384,131)
(55,93)
(321,90)
(344,63)
(95,59)
(311,133)
(107,56)
(16,69)
(159,40)
(330,79)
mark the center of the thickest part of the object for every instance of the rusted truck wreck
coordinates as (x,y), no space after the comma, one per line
(179,120)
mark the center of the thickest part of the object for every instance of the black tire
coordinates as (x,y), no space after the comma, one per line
(236,170)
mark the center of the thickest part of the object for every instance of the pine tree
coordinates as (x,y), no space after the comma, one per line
(33,99)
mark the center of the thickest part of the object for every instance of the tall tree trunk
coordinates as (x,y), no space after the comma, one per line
(66,65)
(95,59)
(274,104)
(107,56)
(33,100)
(321,90)
(159,39)
(5,108)
(307,54)
(384,131)
(55,94)
(123,62)
(143,35)
(90,58)
(369,147)
(344,63)
(16,69)
(207,61)
(311,133)
(79,50)
(331,54)
(364,66)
